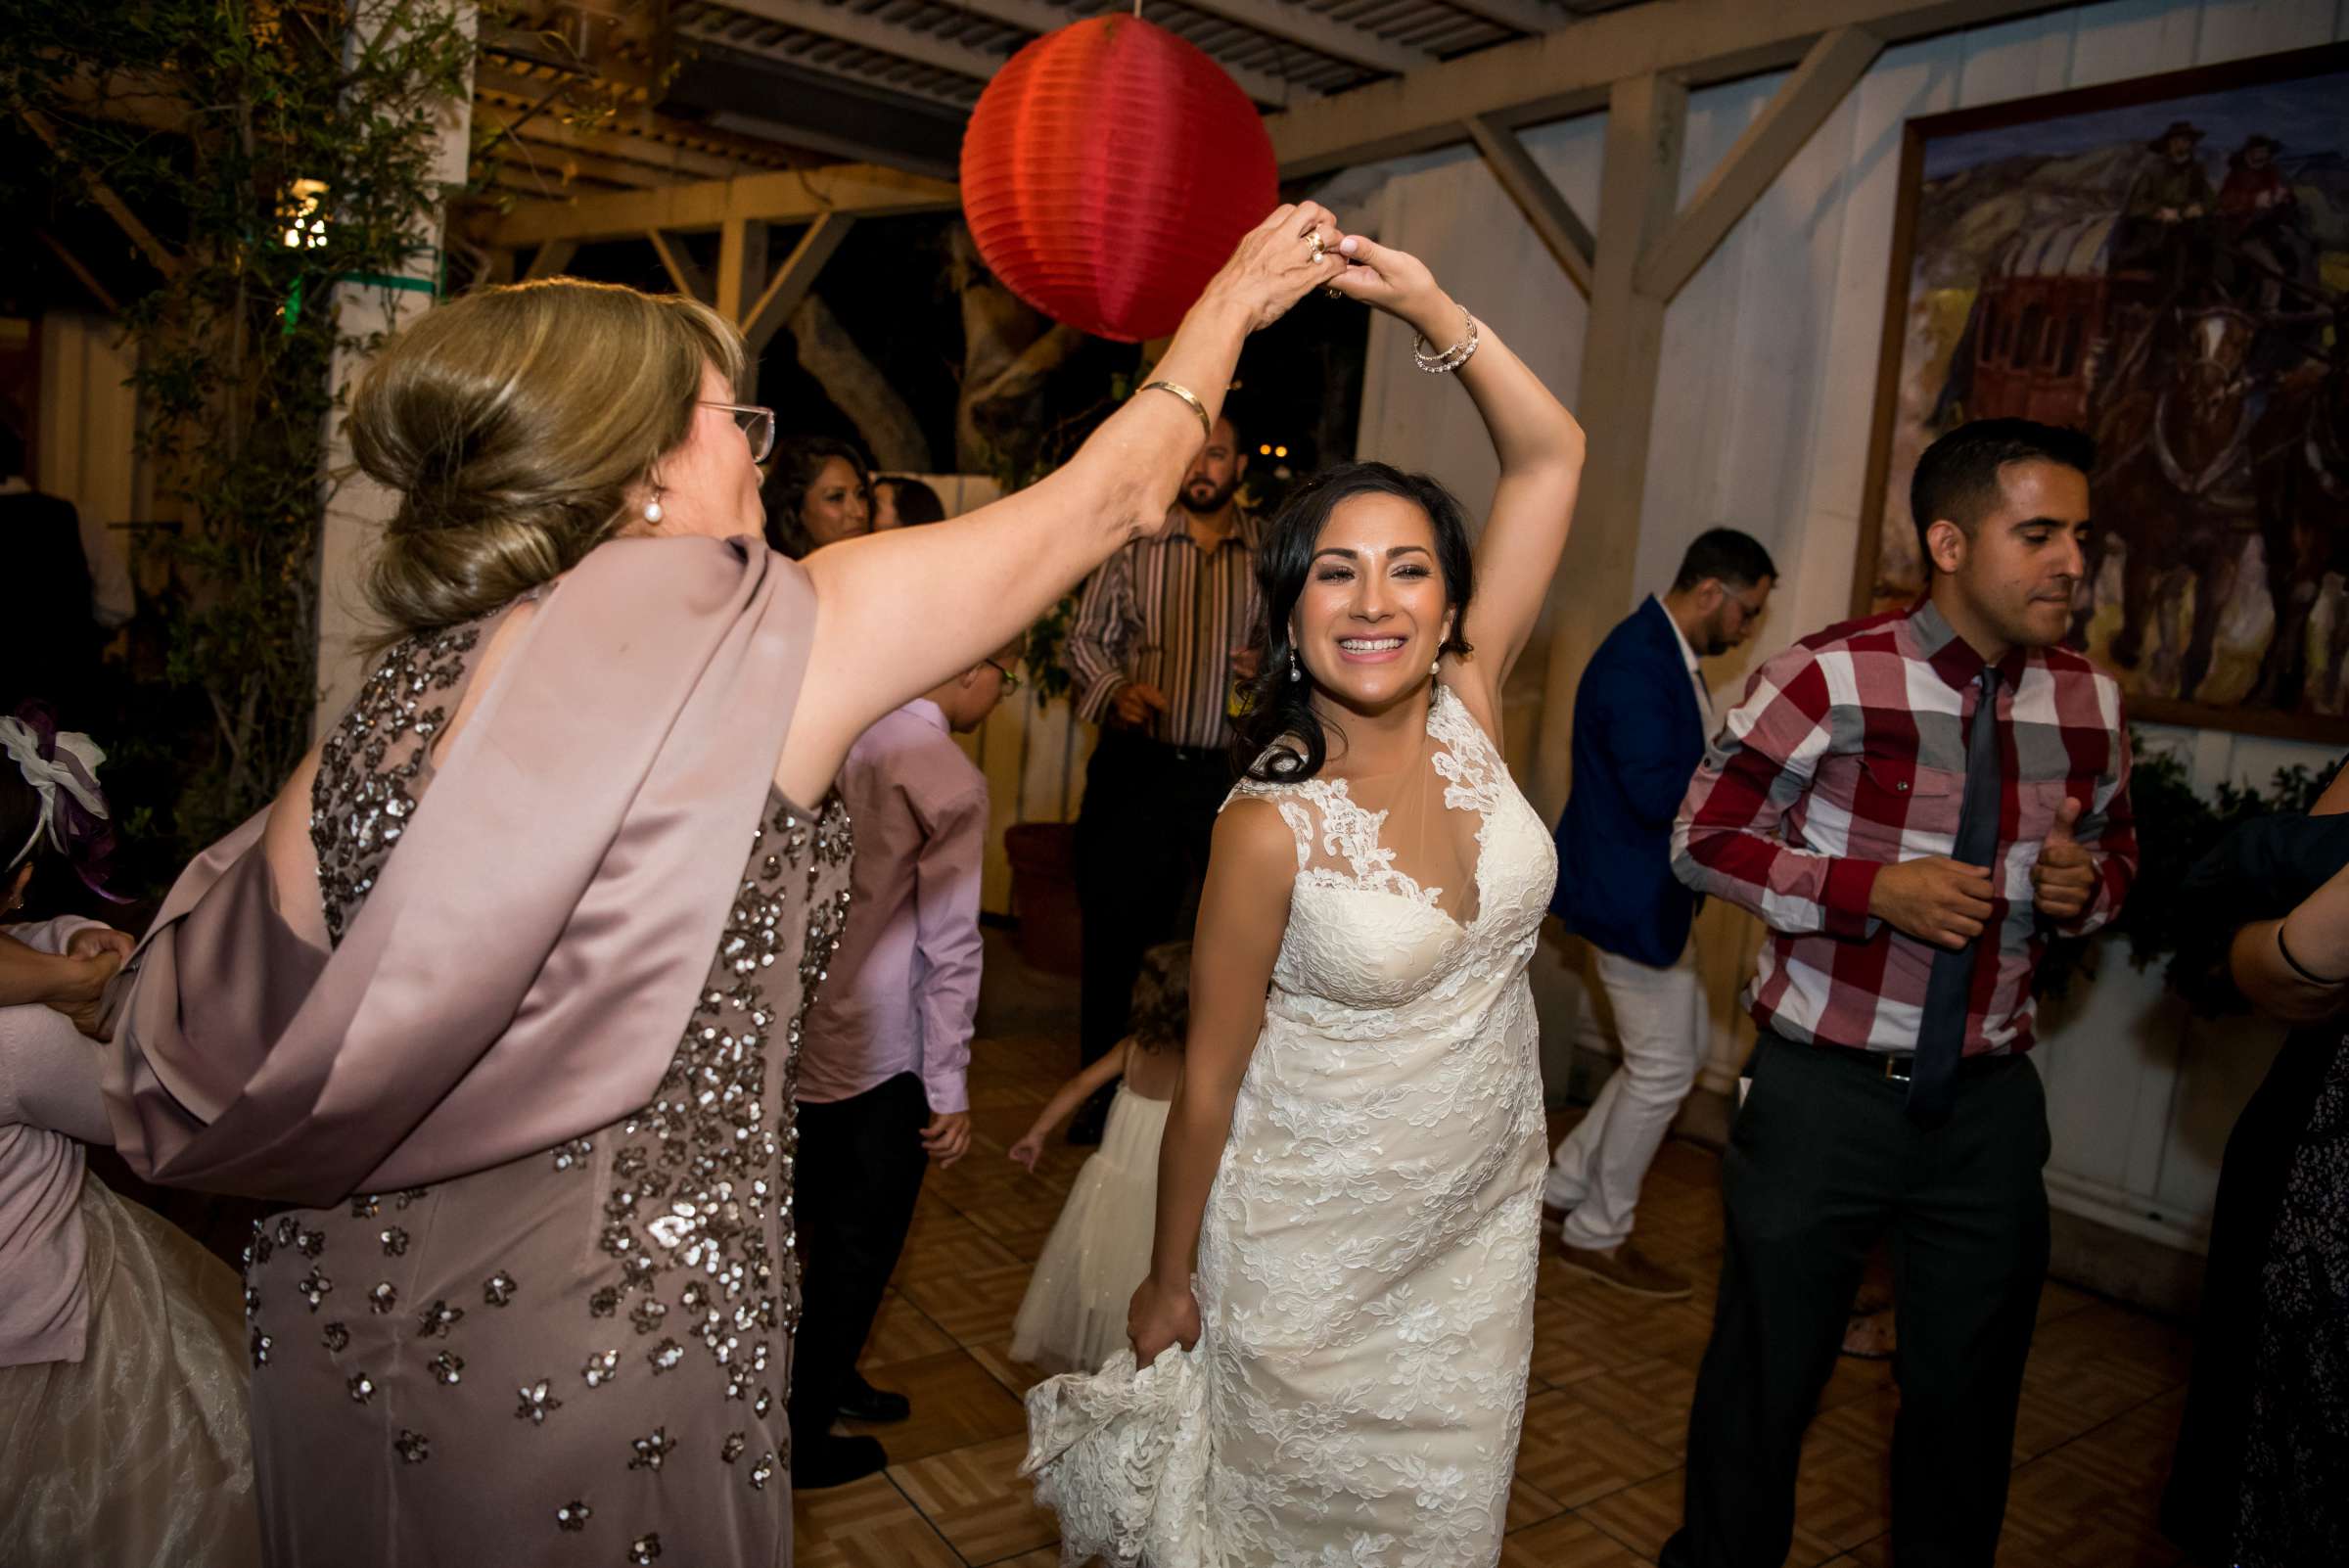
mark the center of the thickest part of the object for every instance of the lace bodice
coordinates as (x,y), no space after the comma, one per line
(1365,937)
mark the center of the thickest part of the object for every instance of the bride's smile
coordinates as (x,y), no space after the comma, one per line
(1374,613)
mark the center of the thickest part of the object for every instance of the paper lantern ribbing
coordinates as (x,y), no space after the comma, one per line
(1107,172)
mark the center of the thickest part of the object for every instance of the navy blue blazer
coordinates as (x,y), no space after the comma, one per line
(1638,736)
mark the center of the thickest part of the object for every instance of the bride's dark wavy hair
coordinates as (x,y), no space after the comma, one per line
(1280,739)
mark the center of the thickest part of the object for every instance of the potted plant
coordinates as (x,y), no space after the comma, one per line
(1051,930)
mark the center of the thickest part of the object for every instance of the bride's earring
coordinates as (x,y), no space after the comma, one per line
(1295,674)
(651,508)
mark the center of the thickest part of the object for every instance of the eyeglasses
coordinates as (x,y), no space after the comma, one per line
(1011,677)
(758,426)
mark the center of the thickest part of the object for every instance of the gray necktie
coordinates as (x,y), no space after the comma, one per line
(1941,1037)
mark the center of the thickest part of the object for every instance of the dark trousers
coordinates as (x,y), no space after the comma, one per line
(1141,853)
(1822,1161)
(857,1176)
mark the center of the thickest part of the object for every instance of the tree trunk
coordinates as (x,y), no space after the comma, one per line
(828,353)
(1008,349)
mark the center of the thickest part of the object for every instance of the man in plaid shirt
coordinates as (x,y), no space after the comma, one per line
(1913,802)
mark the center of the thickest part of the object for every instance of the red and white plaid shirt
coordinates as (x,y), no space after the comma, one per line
(1847,754)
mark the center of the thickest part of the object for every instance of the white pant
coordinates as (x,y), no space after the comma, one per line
(1660,1019)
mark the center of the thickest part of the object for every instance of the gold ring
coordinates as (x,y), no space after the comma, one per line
(1313,248)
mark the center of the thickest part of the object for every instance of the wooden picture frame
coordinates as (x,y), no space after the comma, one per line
(2113,304)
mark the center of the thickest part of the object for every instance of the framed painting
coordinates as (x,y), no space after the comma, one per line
(2164,263)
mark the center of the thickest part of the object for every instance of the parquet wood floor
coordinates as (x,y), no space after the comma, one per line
(1598,1477)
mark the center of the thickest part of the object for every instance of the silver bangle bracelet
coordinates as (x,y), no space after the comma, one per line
(1452,359)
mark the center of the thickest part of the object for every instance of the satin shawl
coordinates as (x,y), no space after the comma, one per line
(534,947)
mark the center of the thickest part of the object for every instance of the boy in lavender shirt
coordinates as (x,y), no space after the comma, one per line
(886,1049)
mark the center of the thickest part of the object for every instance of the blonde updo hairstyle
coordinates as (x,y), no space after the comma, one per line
(514,424)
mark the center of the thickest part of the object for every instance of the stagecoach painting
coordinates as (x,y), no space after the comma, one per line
(2165,264)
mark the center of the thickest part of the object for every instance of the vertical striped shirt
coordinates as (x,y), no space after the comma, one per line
(1848,754)
(1166,614)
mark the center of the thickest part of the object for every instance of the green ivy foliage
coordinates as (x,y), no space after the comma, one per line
(199,118)
(2175,828)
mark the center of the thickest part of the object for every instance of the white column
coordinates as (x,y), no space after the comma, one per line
(357,507)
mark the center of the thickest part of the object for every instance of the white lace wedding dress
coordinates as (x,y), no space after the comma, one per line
(1368,1259)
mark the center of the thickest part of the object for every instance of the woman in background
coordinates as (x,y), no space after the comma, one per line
(903,503)
(816,493)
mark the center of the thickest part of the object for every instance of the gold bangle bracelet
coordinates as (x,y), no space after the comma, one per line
(1206,425)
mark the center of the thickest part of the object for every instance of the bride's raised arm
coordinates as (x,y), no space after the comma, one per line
(899,612)
(1539,443)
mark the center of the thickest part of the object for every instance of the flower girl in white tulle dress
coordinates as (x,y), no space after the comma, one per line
(1075,1312)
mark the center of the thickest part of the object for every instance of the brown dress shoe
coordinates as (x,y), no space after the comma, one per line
(1627,1269)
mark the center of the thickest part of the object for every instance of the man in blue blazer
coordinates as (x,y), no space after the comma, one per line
(1641,716)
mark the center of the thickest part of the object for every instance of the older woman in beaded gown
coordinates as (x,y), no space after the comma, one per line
(500,997)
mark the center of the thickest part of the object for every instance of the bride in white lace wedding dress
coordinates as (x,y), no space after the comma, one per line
(1366,1262)
(1354,1155)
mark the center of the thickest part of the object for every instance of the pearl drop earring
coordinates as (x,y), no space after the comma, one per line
(651,508)
(1295,674)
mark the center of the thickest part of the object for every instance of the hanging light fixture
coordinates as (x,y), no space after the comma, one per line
(1108,170)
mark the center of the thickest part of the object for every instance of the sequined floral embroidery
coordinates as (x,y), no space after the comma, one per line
(363,799)
(702,1176)
(537,1400)
(651,1451)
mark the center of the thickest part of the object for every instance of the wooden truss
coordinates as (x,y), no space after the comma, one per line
(1639,63)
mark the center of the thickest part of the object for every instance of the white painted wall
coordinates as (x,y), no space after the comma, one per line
(1762,423)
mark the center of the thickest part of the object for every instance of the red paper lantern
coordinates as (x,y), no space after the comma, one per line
(1108,170)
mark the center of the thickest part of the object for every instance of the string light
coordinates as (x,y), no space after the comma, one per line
(306,231)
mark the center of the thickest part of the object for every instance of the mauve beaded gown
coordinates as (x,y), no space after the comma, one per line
(579,1356)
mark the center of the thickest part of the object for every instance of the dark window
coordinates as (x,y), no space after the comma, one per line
(2026,349)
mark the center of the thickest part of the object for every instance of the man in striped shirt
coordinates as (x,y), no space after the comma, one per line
(1156,645)
(1914,804)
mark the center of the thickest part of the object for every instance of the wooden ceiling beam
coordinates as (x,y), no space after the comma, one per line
(1570,71)
(1560,229)
(1522,15)
(867,30)
(792,281)
(1832,67)
(1041,16)
(691,281)
(657,160)
(798,196)
(630,118)
(1322,34)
